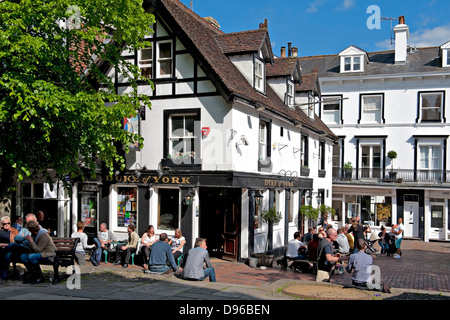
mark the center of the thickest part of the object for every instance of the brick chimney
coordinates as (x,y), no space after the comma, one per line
(401,32)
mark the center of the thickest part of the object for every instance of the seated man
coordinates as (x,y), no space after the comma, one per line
(197,257)
(105,236)
(161,257)
(294,246)
(361,265)
(342,241)
(129,248)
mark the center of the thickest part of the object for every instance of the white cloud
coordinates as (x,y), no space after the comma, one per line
(313,6)
(423,38)
(349,4)
(430,37)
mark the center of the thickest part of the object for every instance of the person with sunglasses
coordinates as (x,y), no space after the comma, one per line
(7,234)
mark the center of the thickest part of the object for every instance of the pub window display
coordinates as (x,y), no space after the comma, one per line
(126,207)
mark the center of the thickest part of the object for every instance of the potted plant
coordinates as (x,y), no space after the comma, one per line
(348,168)
(326,212)
(270,217)
(392,155)
(308,212)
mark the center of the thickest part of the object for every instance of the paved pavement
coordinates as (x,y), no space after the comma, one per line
(424,268)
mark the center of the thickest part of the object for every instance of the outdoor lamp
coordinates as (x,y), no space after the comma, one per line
(309,199)
(189,197)
(258,197)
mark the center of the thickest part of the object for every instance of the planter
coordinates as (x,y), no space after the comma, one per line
(348,175)
(264,259)
(253,262)
(392,175)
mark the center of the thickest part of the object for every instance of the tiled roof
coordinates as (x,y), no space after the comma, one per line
(211,46)
(282,67)
(381,62)
(310,82)
(239,42)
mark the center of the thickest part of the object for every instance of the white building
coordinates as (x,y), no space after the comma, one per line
(386,101)
(224,127)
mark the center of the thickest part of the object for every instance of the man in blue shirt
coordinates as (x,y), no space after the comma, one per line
(161,257)
(196,258)
(361,264)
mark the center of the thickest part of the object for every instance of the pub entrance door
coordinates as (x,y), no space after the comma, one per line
(219,221)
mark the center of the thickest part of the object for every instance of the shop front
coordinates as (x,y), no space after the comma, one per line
(218,206)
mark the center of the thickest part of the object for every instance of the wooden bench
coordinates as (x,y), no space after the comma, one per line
(65,256)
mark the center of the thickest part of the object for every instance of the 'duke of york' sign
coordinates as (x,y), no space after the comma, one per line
(150,180)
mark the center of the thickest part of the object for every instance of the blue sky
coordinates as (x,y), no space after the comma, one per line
(320,27)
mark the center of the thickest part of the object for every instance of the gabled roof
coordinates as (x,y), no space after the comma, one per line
(285,67)
(201,39)
(310,82)
(244,42)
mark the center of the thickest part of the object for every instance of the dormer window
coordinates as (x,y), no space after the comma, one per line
(352,64)
(352,59)
(445,52)
(259,75)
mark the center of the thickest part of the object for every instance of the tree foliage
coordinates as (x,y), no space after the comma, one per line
(58,109)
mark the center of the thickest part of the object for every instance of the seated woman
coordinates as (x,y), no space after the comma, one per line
(177,243)
(384,240)
(147,240)
(80,252)
(42,249)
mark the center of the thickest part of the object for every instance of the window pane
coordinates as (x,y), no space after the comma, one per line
(168,209)
(165,50)
(431,106)
(165,67)
(372,109)
(348,64)
(177,126)
(356,63)
(146,72)
(189,125)
(146,55)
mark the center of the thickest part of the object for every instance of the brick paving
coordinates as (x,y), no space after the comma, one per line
(423,266)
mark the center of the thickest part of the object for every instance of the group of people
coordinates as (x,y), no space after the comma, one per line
(327,247)
(29,244)
(160,254)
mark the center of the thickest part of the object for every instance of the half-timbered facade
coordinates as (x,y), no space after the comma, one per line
(223,132)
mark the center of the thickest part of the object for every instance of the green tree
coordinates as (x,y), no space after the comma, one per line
(58,109)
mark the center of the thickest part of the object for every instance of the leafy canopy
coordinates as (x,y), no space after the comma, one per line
(58,109)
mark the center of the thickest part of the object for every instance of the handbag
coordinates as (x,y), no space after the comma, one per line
(322,276)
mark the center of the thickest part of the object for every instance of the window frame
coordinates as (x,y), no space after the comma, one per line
(339,99)
(258,62)
(361,119)
(160,59)
(168,115)
(420,119)
(351,59)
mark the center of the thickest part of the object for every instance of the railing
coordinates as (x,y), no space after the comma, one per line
(397,175)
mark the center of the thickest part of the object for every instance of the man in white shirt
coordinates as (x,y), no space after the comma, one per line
(398,232)
(294,246)
(342,241)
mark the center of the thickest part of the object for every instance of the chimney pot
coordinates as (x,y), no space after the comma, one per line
(294,51)
(289,49)
(401,20)
(283,52)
